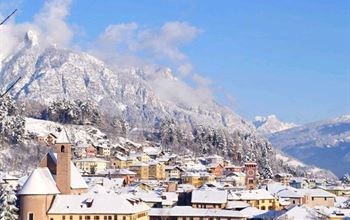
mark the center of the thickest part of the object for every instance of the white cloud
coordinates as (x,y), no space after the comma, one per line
(49,24)
(166,42)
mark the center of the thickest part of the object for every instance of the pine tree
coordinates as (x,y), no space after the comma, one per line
(8,208)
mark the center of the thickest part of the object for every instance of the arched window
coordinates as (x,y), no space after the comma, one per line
(62,149)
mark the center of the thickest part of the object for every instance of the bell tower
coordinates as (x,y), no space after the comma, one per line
(250,175)
(63,149)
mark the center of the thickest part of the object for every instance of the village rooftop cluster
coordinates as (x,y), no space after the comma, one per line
(145,182)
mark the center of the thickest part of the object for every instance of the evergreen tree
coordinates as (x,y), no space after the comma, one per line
(8,200)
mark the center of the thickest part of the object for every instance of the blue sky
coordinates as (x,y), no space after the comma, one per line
(289,58)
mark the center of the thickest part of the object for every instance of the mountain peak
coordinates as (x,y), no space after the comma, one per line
(271,124)
(31,38)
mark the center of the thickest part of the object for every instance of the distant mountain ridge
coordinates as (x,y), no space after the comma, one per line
(323,143)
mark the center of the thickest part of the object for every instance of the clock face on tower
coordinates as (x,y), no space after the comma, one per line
(251,173)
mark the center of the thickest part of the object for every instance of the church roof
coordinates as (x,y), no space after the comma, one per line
(40,182)
(62,138)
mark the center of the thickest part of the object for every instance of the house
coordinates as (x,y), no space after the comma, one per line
(91,151)
(259,198)
(173,172)
(287,195)
(98,206)
(104,150)
(187,212)
(197,179)
(126,174)
(299,183)
(215,169)
(283,178)
(118,162)
(156,170)
(92,165)
(209,199)
(141,170)
(46,138)
(233,168)
(318,197)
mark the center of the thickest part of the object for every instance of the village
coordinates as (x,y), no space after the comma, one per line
(104,182)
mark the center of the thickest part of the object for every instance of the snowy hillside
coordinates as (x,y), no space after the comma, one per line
(324,143)
(271,124)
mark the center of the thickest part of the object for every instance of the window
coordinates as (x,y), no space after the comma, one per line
(62,149)
(63,217)
(105,217)
(109,217)
(293,201)
(80,217)
(87,217)
(312,198)
(325,199)
(96,217)
(124,217)
(30,216)
(51,218)
(262,207)
(71,217)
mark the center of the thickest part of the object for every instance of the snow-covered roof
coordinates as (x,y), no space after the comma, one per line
(236,204)
(62,138)
(256,194)
(40,182)
(250,212)
(299,212)
(316,193)
(194,212)
(209,196)
(100,204)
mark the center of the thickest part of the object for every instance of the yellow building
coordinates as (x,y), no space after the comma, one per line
(198,179)
(119,162)
(104,151)
(173,172)
(259,198)
(141,170)
(131,160)
(92,165)
(156,170)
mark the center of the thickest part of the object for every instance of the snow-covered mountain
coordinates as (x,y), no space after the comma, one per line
(271,124)
(155,104)
(324,143)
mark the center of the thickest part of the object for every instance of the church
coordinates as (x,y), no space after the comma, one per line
(56,191)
